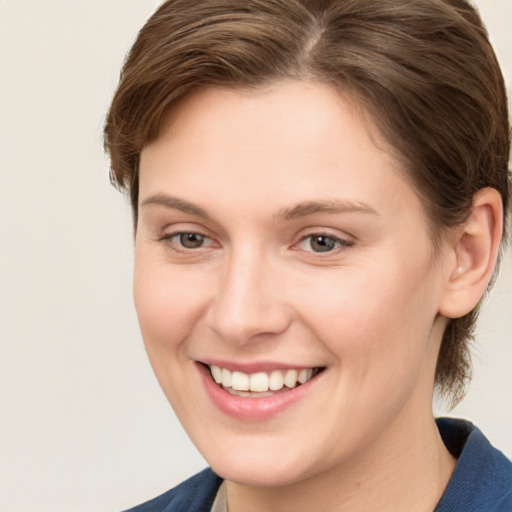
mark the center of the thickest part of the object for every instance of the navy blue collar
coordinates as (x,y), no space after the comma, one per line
(482,480)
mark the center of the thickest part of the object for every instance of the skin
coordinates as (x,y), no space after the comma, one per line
(369,311)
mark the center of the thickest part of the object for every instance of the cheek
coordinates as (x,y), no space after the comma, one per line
(376,321)
(378,331)
(169,301)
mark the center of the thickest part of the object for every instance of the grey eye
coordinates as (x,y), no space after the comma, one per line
(191,240)
(323,243)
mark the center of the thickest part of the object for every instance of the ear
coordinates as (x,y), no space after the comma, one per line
(474,251)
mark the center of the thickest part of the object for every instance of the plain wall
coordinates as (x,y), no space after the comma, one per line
(83,424)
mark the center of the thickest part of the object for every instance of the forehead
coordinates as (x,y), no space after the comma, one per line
(300,140)
(289,112)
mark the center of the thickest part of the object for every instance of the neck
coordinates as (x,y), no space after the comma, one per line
(406,469)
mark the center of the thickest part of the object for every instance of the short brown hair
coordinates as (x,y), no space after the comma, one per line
(424,69)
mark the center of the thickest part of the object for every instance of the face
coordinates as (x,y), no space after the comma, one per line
(284,282)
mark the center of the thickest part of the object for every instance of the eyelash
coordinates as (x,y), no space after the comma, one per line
(332,243)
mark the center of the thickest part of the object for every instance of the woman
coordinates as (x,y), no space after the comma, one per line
(319,192)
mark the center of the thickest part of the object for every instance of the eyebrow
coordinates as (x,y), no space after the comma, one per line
(329,207)
(301,210)
(176,204)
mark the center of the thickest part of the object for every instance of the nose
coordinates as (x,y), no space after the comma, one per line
(248,304)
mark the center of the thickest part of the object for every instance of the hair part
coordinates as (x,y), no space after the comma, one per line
(423,69)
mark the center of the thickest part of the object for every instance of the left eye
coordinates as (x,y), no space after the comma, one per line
(322,243)
(189,240)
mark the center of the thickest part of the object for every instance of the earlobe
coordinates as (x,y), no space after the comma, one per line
(475,251)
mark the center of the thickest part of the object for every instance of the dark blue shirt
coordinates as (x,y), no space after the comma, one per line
(481,482)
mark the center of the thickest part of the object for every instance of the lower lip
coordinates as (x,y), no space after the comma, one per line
(252,409)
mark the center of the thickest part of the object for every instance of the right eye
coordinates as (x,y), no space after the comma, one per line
(190,240)
(187,240)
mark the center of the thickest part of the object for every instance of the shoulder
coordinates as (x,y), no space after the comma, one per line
(193,495)
(482,479)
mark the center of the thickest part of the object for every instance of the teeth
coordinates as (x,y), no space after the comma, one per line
(290,379)
(260,382)
(240,381)
(216,374)
(226,378)
(305,375)
(276,381)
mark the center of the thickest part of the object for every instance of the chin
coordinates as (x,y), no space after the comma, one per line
(261,467)
(243,472)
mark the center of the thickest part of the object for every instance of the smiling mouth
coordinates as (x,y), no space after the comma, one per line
(261,384)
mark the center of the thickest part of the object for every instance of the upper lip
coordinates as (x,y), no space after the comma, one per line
(256,366)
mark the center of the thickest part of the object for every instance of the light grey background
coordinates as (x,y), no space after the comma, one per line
(83,424)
